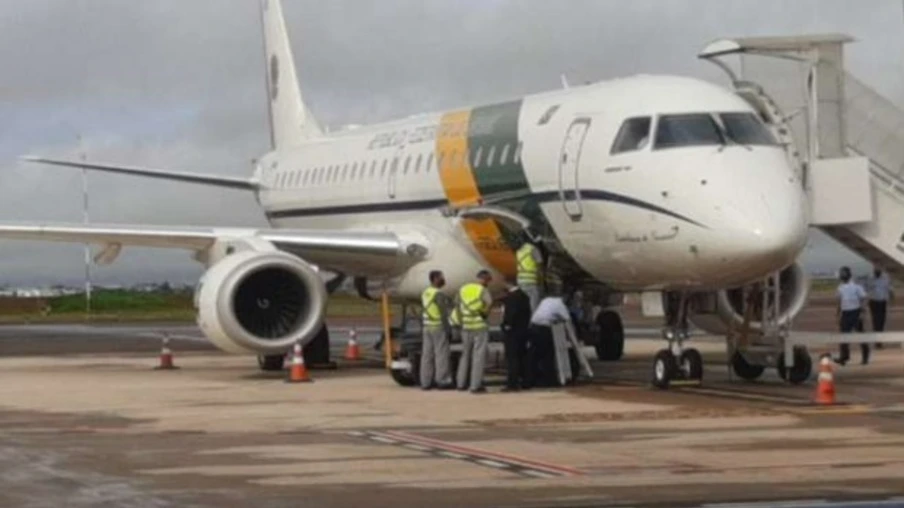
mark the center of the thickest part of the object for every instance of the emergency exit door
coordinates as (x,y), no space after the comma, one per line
(569,167)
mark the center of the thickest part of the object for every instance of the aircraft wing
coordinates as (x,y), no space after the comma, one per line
(179,176)
(360,253)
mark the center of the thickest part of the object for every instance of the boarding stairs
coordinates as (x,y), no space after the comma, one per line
(847,141)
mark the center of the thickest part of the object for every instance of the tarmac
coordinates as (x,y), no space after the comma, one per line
(85,421)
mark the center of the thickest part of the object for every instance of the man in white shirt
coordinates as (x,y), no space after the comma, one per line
(880,295)
(541,360)
(851,298)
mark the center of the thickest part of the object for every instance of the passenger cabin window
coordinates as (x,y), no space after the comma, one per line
(634,134)
(477,157)
(517,158)
(746,129)
(503,157)
(373,168)
(698,129)
(491,155)
(417,163)
(354,171)
(407,163)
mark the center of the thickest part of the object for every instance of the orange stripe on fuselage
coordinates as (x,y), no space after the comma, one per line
(460,187)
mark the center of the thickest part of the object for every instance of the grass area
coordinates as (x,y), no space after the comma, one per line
(124,305)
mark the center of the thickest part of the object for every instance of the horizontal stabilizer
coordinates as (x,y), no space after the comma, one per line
(206,179)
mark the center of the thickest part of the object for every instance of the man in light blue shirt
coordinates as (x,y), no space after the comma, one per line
(851,297)
(880,295)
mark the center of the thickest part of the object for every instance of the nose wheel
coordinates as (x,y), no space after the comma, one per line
(667,367)
(676,362)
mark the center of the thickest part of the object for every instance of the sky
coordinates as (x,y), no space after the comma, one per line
(179,84)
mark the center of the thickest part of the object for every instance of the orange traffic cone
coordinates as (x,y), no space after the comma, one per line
(166,356)
(825,389)
(298,373)
(352,351)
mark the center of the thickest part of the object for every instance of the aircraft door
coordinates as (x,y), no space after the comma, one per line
(569,163)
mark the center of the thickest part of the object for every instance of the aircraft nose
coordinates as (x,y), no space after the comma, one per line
(770,233)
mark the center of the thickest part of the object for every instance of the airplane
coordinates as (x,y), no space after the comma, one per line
(643,184)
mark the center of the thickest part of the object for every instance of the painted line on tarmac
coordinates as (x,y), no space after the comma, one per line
(485,454)
(483,458)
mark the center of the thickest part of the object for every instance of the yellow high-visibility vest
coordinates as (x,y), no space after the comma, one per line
(527,265)
(432,316)
(472,307)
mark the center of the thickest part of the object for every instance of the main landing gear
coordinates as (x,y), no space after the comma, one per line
(316,354)
(676,361)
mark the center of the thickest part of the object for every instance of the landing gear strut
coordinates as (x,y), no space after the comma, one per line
(676,361)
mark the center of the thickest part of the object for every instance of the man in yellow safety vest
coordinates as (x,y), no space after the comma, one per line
(473,305)
(530,259)
(436,330)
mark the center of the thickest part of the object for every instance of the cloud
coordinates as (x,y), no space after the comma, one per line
(179,83)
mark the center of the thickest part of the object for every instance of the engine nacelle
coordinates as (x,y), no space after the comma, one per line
(260,302)
(716,312)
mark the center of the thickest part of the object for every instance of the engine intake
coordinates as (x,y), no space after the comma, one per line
(718,311)
(260,302)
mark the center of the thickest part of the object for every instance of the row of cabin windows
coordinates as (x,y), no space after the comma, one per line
(364,170)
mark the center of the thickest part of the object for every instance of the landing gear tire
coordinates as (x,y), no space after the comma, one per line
(610,341)
(408,376)
(800,372)
(691,363)
(665,369)
(745,370)
(271,363)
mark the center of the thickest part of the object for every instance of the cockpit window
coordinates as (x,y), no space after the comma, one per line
(687,130)
(746,129)
(634,134)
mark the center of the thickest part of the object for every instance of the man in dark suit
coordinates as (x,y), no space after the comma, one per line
(515,323)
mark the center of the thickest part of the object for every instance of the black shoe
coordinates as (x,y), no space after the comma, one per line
(841,361)
(445,387)
(463,388)
(511,389)
(479,390)
(865,361)
(427,388)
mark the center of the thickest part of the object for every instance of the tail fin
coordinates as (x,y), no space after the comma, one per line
(290,121)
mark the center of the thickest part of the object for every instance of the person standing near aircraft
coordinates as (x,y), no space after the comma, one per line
(474,302)
(541,356)
(530,259)
(851,297)
(880,294)
(437,332)
(515,323)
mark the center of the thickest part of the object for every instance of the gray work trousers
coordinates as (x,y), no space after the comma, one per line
(435,358)
(473,358)
(533,293)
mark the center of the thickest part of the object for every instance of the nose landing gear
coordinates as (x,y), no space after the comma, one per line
(676,362)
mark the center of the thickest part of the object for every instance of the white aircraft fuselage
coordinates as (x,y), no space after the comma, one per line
(682,211)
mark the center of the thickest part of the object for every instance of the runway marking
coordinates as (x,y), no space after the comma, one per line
(492,463)
(532,464)
(442,449)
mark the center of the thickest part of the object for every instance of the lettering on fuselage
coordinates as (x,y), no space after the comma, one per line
(617,169)
(656,236)
(403,137)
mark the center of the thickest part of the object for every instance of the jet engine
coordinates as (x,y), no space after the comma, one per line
(260,302)
(716,312)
